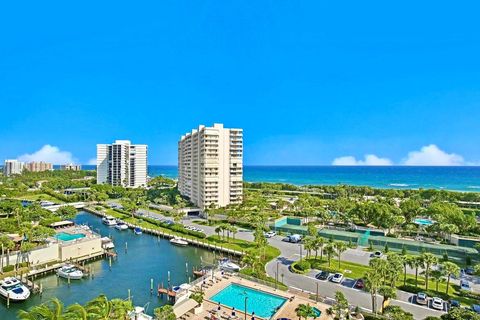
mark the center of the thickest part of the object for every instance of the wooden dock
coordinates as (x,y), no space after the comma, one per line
(192,241)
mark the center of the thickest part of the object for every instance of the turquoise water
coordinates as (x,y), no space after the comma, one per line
(423,222)
(395,177)
(69,237)
(147,258)
(263,304)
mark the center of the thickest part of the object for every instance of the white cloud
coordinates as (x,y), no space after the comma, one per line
(92,162)
(50,154)
(369,160)
(432,155)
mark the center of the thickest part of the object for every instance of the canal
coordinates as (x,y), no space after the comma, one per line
(147,258)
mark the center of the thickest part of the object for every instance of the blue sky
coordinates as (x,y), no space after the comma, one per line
(310,82)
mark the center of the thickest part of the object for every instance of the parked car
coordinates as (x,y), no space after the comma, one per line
(360,284)
(270,234)
(322,275)
(377,254)
(475,308)
(422,298)
(337,278)
(437,303)
(464,285)
(470,271)
(454,304)
(294,238)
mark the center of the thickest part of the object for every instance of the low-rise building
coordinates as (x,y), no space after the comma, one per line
(71,166)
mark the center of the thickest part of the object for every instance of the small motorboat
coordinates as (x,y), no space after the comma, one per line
(107,243)
(139,314)
(109,221)
(69,271)
(137,230)
(178,242)
(13,289)
(121,225)
(199,273)
(182,287)
(227,265)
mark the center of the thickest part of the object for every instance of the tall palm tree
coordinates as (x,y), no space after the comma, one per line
(100,306)
(429,260)
(340,247)
(319,244)
(437,275)
(373,281)
(76,312)
(407,261)
(388,293)
(329,252)
(450,269)
(416,263)
(309,245)
(395,266)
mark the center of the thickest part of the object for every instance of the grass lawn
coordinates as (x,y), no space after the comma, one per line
(355,271)
(38,197)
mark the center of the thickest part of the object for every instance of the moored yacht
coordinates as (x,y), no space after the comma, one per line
(69,271)
(227,265)
(109,221)
(121,225)
(13,289)
(137,230)
(178,242)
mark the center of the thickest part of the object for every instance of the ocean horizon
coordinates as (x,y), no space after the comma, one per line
(455,178)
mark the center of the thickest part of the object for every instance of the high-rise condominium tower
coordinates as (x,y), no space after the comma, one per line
(122,164)
(210,166)
(12,167)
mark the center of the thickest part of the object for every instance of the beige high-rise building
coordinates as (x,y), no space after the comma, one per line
(122,164)
(35,166)
(210,166)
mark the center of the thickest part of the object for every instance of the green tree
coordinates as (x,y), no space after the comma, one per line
(329,251)
(429,260)
(373,281)
(164,313)
(450,269)
(388,293)
(340,247)
(396,313)
(304,311)
(341,306)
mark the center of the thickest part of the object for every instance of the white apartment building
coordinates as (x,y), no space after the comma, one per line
(210,166)
(122,164)
(71,167)
(12,166)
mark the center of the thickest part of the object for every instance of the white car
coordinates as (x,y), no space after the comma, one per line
(437,303)
(270,234)
(337,278)
(464,285)
(377,254)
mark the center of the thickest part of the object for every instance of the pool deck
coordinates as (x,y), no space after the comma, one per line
(287,310)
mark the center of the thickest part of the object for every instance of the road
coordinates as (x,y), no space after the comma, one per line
(291,252)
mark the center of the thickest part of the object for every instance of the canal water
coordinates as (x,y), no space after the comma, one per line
(147,258)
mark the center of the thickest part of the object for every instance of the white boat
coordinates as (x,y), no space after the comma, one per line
(109,221)
(227,265)
(70,271)
(139,314)
(137,230)
(107,243)
(121,225)
(12,288)
(178,242)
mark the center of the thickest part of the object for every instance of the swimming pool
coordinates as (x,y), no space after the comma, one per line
(265,305)
(423,222)
(317,312)
(63,236)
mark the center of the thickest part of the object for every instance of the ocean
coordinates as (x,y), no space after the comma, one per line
(397,177)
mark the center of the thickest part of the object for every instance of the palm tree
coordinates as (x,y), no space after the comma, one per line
(309,245)
(51,310)
(218,229)
(394,268)
(164,313)
(407,261)
(450,269)
(429,260)
(77,312)
(388,293)
(304,311)
(415,263)
(437,275)
(340,247)
(373,281)
(329,252)
(100,306)
(319,243)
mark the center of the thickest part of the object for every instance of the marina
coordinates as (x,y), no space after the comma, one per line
(152,257)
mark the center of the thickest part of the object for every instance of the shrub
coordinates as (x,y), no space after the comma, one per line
(8,268)
(301,266)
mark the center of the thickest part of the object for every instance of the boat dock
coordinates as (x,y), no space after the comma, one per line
(192,241)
